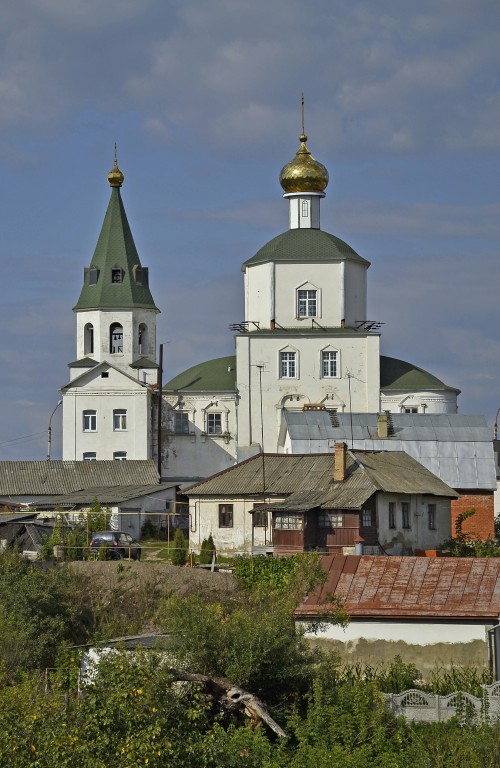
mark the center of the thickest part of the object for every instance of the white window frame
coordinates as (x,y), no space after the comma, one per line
(332,364)
(119,455)
(119,420)
(211,427)
(90,456)
(90,421)
(307,305)
(288,364)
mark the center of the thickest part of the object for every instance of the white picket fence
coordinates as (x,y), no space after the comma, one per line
(420,707)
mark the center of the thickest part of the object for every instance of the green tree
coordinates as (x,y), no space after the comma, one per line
(179,551)
(207,551)
(37,614)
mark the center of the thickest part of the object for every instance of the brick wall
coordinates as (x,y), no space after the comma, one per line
(482,523)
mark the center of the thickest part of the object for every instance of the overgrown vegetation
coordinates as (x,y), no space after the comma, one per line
(133,714)
(467,543)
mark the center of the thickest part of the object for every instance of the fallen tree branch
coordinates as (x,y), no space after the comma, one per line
(232,697)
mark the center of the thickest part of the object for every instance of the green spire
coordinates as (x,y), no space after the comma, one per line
(115,278)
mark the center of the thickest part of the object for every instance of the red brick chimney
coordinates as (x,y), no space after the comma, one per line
(339,465)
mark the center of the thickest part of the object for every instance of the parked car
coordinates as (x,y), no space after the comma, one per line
(117,543)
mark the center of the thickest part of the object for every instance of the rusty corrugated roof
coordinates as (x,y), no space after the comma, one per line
(409,587)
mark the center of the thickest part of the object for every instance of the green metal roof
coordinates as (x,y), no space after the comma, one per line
(312,245)
(116,249)
(84,362)
(144,362)
(397,374)
(217,375)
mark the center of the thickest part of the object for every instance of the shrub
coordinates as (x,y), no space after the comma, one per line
(179,552)
(207,551)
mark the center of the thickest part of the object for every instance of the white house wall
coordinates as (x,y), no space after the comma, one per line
(399,540)
(204,521)
(411,632)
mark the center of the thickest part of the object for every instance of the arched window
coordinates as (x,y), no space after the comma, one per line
(88,339)
(115,338)
(143,339)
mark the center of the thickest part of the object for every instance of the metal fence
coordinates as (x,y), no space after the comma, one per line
(421,707)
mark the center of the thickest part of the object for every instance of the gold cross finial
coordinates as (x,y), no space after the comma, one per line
(303,131)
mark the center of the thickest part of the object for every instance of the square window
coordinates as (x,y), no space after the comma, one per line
(405,514)
(225,515)
(367,518)
(214,423)
(329,364)
(119,420)
(330,520)
(181,423)
(307,303)
(89,421)
(431,516)
(288,365)
(259,518)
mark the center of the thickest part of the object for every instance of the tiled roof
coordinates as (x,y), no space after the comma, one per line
(43,478)
(116,249)
(305,245)
(374,587)
(294,474)
(217,375)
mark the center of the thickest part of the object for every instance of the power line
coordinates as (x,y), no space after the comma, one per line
(25,437)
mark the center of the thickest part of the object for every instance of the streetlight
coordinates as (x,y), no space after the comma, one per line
(496,426)
(49,431)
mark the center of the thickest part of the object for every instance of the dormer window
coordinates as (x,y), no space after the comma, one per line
(93,275)
(141,275)
(116,275)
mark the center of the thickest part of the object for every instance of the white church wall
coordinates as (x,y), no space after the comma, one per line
(102,320)
(197,453)
(438,401)
(308,387)
(105,440)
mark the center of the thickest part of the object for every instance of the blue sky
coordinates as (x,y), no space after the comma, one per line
(203,99)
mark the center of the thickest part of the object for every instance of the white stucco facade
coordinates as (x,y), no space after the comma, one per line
(106,417)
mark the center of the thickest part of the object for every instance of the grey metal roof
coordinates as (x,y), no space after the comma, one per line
(310,479)
(107,495)
(457,448)
(48,478)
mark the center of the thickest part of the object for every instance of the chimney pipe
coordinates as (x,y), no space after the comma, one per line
(339,464)
(382,426)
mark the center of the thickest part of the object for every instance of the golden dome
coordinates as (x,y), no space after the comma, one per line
(115,176)
(304,173)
